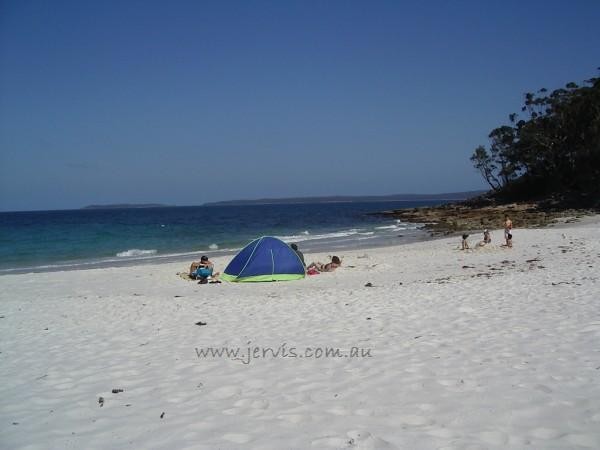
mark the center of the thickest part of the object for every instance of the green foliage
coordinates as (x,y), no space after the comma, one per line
(553,148)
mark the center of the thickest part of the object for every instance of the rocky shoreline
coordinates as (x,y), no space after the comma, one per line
(454,218)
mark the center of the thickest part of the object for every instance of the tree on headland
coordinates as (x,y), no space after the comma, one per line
(484,162)
(552,149)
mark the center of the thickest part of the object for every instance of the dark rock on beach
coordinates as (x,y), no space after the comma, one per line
(474,216)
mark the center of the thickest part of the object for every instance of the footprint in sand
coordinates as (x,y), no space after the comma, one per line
(414,420)
(63,386)
(309,387)
(232,411)
(365,440)
(252,403)
(292,418)
(448,382)
(443,433)
(255,384)
(260,404)
(330,441)
(243,403)
(339,411)
(493,437)
(545,433)
(238,438)
(583,440)
(426,407)
(545,389)
(226,392)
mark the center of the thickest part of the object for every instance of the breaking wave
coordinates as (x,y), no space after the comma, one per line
(135,252)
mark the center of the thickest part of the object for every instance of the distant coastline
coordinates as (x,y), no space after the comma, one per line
(452,196)
(127,206)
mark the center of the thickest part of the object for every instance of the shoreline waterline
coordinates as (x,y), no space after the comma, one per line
(80,239)
(306,248)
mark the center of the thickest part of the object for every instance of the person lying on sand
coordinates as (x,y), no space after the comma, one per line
(329,267)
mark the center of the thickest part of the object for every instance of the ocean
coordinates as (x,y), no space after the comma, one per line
(86,238)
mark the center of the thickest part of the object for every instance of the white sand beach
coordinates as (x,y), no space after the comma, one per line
(492,348)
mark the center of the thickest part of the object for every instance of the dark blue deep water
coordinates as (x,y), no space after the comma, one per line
(60,240)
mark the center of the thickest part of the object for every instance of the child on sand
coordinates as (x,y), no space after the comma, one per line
(487,239)
(465,243)
(508,231)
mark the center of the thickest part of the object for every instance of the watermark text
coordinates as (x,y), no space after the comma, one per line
(252,352)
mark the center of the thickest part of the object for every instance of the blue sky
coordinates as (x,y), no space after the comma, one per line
(188,102)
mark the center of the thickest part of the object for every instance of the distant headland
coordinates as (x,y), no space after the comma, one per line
(127,206)
(453,196)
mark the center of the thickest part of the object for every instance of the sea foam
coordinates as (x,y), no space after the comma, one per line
(135,252)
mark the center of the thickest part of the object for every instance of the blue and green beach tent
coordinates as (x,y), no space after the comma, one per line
(265,259)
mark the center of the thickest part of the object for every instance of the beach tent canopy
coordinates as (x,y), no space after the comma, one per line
(265,259)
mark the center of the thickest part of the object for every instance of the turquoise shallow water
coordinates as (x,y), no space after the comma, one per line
(51,240)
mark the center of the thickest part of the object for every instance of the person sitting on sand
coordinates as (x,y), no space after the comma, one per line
(329,267)
(465,243)
(299,253)
(203,269)
(487,237)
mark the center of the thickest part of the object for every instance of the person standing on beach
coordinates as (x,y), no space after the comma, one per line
(508,231)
